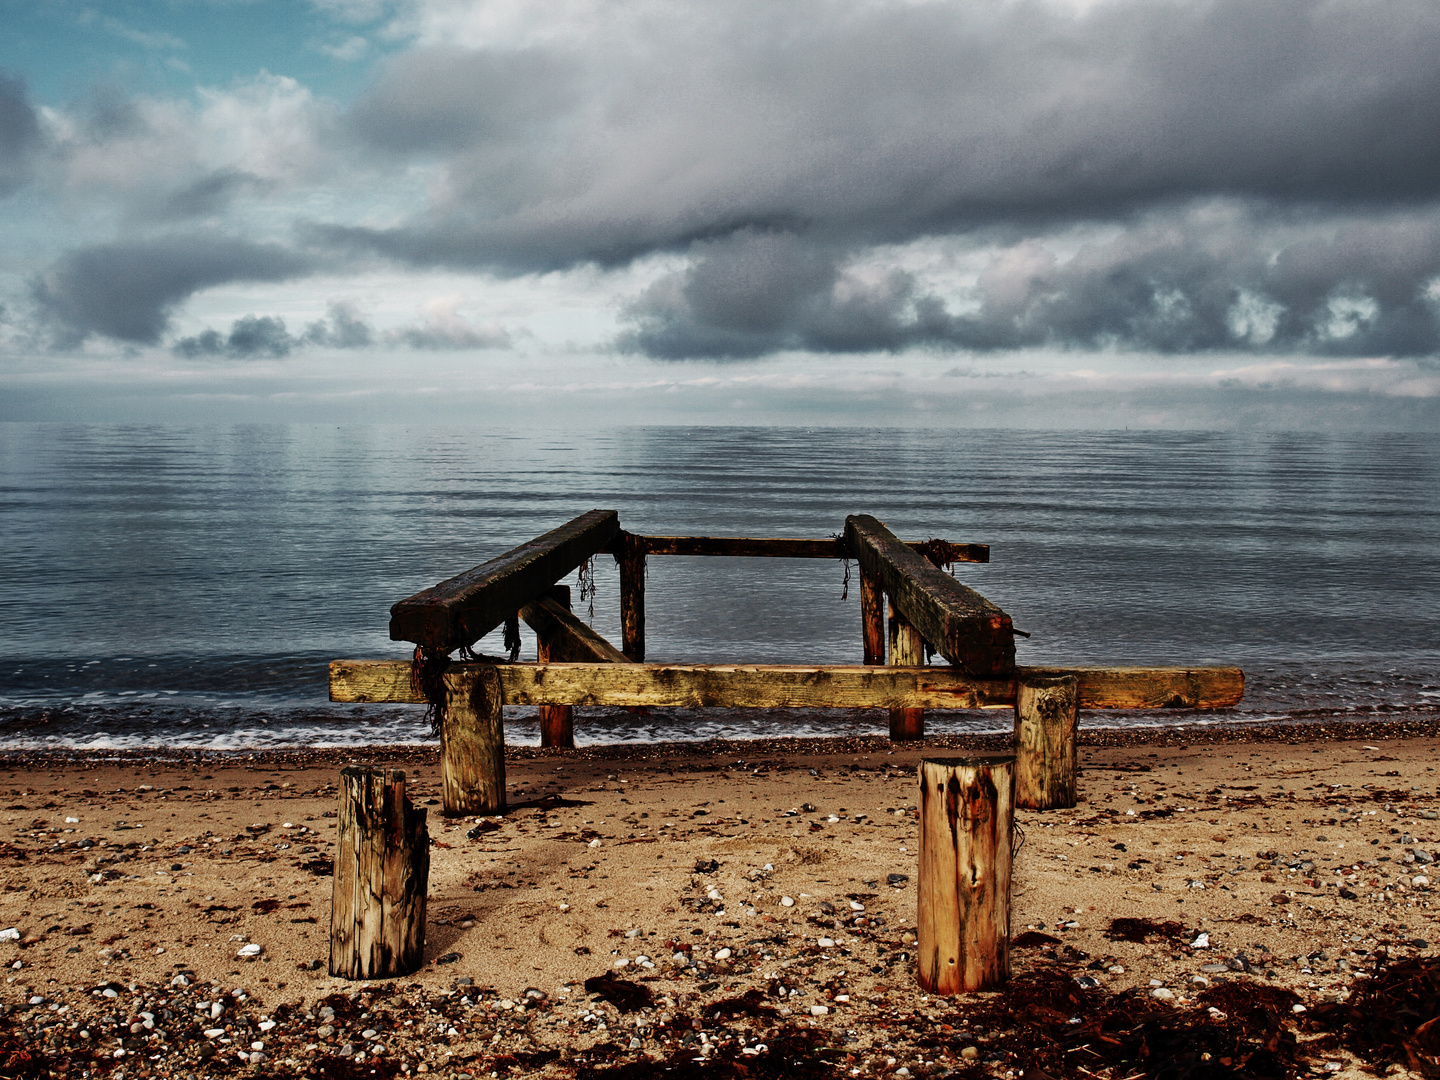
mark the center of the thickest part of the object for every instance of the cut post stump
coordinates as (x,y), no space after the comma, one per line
(1046,713)
(963,902)
(382,872)
(907,649)
(472,743)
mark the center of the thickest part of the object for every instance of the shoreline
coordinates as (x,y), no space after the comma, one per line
(1284,844)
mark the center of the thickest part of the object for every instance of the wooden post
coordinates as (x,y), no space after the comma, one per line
(472,742)
(557,722)
(1046,709)
(632,600)
(907,649)
(872,617)
(382,871)
(963,899)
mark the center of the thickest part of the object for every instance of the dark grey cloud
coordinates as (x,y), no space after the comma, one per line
(858,123)
(250,337)
(20,135)
(345,329)
(127,289)
(208,195)
(1364,287)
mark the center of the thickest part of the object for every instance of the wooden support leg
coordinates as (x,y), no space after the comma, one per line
(907,649)
(963,902)
(382,871)
(872,617)
(557,722)
(632,603)
(472,743)
(1046,710)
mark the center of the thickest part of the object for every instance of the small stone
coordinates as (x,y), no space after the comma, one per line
(970,1053)
(325,1031)
(1160,993)
(787,901)
(819,1010)
(1202,941)
(1419,880)
(855,905)
(722,954)
(214,1033)
(1215,968)
(826,943)
(250,952)
(1297,1008)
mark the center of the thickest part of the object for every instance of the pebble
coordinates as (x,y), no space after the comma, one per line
(826,943)
(1160,993)
(723,954)
(250,952)
(787,901)
(970,1053)
(819,1010)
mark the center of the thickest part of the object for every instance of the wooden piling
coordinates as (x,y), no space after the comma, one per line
(1046,712)
(963,901)
(907,649)
(382,871)
(872,617)
(632,601)
(557,722)
(472,742)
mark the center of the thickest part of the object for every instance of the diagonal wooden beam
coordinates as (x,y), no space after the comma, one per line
(794,686)
(568,639)
(464,608)
(960,624)
(784,547)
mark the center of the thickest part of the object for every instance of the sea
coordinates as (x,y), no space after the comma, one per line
(185,587)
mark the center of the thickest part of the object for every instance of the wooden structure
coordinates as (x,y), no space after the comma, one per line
(927,608)
(967,811)
(382,872)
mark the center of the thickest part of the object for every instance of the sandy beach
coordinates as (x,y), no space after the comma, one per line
(747,909)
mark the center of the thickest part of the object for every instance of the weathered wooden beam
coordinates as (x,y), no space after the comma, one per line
(964,627)
(783,547)
(631,557)
(557,722)
(872,618)
(464,608)
(779,686)
(567,638)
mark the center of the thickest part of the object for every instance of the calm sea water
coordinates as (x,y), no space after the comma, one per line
(168,586)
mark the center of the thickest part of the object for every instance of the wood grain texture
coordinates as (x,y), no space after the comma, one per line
(464,608)
(962,902)
(907,649)
(964,627)
(557,722)
(631,557)
(567,638)
(382,874)
(774,685)
(778,547)
(1046,759)
(872,618)
(472,741)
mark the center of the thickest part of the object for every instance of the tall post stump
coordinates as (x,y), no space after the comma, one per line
(872,618)
(472,743)
(382,872)
(967,810)
(632,600)
(557,722)
(907,649)
(1046,715)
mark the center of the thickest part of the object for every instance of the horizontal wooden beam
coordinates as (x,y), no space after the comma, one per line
(464,608)
(786,548)
(959,623)
(568,639)
(794,686)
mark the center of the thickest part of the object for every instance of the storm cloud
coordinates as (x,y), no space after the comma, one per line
(20,135)
(126,290)
(1172,285)
(859,123)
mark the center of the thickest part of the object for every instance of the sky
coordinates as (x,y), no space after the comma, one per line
(1027,213)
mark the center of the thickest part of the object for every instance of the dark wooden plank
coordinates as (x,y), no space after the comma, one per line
(782,547)
(632,598)
(960,624)
(770,686)
(464,608)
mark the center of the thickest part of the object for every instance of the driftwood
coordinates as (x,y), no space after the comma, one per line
(964,627)
(382,870)
(963,895)
(770,686)
(1046,759)
(463,609)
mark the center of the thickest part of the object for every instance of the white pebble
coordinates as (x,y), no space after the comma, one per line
(855,905)
(723,954)
(826,943)
(1202,941)
(1297,1008)
(1160,993)
(787,901)
(249,952)
(819,1010)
